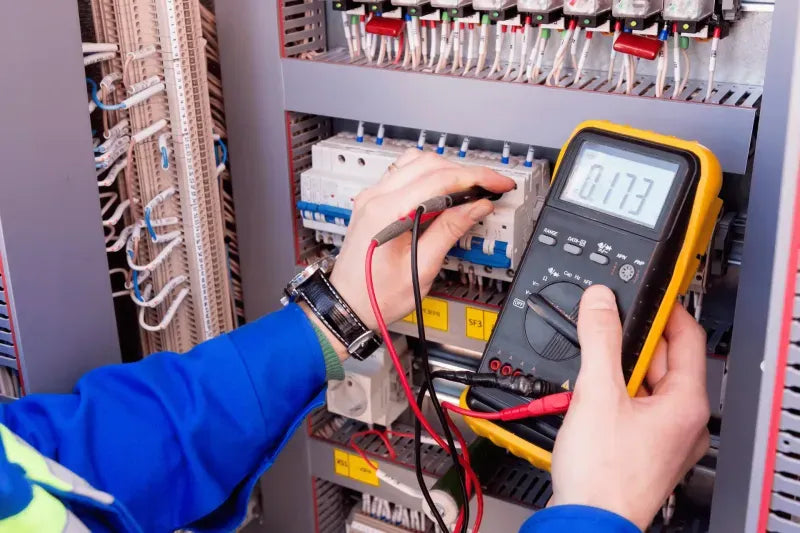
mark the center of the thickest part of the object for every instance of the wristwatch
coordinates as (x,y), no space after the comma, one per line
(312,286)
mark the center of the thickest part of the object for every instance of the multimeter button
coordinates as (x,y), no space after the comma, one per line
(626,272)
(506,370)
(547,239)
(494,365)
(573,249)
(600,259)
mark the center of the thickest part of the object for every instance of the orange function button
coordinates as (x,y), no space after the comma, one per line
(494,365)
(506,370)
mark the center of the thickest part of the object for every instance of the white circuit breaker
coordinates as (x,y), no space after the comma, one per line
(539,6)
(488,5)
(371,391)
(343,167)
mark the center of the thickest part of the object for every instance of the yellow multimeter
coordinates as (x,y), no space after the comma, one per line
(627,208)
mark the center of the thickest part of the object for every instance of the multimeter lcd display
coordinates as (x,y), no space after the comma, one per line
(621,183)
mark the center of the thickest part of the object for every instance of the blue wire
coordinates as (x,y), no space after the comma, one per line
(100,165)
(164,159)
(149,225)
(135,281)
(96,99)
(224,148)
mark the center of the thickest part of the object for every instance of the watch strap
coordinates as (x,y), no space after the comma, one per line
(326,303)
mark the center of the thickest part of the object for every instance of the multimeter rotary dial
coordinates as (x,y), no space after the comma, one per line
(550,321)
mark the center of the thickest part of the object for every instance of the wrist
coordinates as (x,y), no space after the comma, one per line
(336,344)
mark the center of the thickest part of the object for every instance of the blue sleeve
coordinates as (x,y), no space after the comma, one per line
(181,439)
(577,519)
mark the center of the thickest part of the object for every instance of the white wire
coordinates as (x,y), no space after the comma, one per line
(587,44)
(537,68)
(124,272)
(168,316)
(406,51)
(685,80)
(114,218)
(365,43)
(698,305)
(456,47)
(111,177)
(347,35)
(712,67)
(382,52)
(613,55)
(498,50)
(445,45)
(434,44)
(156,300)
(112,197)
(534,52)
(512,53)
(661,72)
(423,42)
(559,59)
(526,36)
(573,48)
(483,45)
(676,66)
(470,51)
(631,74)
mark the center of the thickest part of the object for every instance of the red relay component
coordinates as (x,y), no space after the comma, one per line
(389,27)
(637,45)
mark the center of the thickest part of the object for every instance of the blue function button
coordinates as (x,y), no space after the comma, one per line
(573,249)
(547,239)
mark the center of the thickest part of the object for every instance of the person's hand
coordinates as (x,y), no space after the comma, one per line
(418,176)
(625,454)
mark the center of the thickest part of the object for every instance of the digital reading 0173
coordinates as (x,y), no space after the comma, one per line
(620,183)
(628,209)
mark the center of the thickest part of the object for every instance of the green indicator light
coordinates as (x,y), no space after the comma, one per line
(685,26)
(413,9)
(496,14)
(586,21)
(338,4)
(454,11)
(633,24)
(539,17)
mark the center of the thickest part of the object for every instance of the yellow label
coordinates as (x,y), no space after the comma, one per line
(479,323)
(489,320)
(475,323)
(355,467)
(361,471)
(435,312)
(341,463)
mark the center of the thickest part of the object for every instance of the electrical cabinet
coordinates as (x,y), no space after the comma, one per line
(322,94)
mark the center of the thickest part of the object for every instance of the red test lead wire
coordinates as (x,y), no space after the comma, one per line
(554,404)
(387,339)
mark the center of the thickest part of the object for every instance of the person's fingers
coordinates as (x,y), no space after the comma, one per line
(658,364)
(686,353)
(600,336)
(445,230)
(436,183)
(409,167)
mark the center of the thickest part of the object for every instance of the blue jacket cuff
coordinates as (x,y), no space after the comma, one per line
(577,519)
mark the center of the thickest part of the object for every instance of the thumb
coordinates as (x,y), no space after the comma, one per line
(600,335)
(445,231)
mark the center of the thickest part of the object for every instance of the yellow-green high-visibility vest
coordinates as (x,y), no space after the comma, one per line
(45,513)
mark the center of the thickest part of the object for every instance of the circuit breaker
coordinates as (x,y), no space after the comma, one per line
(688,10)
